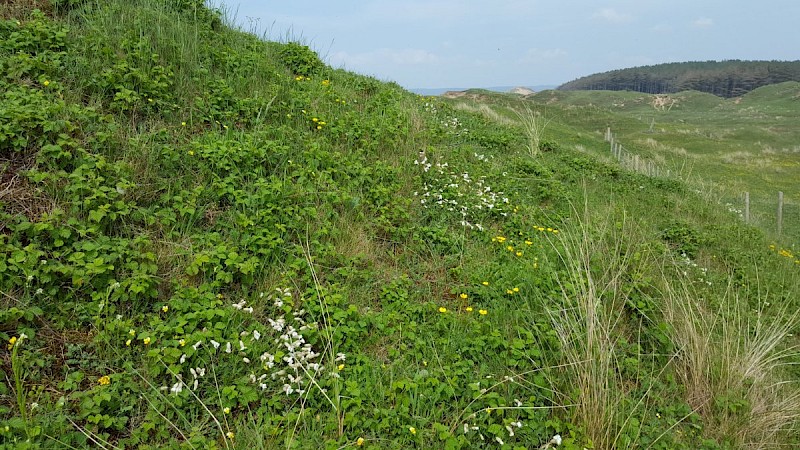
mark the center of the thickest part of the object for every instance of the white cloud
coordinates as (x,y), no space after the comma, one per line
(612,15)
(703,22)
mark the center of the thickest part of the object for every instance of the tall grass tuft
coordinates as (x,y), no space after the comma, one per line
(731,361)
(596,257)
(533,124)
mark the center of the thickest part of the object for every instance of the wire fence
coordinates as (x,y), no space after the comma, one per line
(766,213)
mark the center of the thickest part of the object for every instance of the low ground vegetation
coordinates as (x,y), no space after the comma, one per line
(212,241)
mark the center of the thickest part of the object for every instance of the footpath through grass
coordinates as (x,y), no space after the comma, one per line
(212,241)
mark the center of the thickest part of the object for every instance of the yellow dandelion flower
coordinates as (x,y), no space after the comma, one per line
(315,120)
(485,283)
(509,291)
(510,248)
(519,253)
(319,127)
(463,296)
(105,379)
(483,312)
(359,442)
(442,309)
(340,367)
(468,309)
(516,289)
(528,243)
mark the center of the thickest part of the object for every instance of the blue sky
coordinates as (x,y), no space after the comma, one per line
(461,44)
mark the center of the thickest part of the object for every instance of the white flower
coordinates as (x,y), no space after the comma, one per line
(177,387)
(556,440)
(499,441)
(215,344)
(256,335)
(228,348)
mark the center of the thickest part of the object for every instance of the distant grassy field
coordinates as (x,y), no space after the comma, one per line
(724,147)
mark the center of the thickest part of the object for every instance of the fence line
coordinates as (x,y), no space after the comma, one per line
(632,161)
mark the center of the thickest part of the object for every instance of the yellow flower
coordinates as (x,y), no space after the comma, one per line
(340,367)
(509,291)
(128,343)
(150,100)
(516,289)
(182,342)
(183,124)
(105,379)
(132,332)
(11,342)
(146,340)
(226,410)
(510,248)
(442,309)
(463,296)
(519,253)
(326,82)
(412,430)
(315,120)
(528,243)
(469,309)
(165,308)
(485,283)
(322,123)
(191,152)
(319,127)
(359,442)
(46,83)
(230,435)
(483,312)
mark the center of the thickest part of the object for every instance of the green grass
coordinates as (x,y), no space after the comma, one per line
(213,241)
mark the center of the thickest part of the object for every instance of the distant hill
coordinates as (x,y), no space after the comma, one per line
(723,78)
(440,91)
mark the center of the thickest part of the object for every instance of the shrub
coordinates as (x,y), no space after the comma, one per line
(300,59)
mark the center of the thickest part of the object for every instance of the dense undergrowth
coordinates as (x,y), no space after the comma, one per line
(212,241)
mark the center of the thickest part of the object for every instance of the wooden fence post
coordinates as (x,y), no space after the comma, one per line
(746,207)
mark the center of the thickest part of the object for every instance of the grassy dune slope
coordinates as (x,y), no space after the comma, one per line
(212,241)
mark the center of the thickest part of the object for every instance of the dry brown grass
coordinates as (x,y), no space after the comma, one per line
(731,361)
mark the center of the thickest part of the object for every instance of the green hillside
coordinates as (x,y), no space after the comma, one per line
(212,241)
(727,79)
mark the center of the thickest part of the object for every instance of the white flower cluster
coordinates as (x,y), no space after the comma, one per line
(734,210)
(691,266)
(458,192)
(454,126)
(292,362)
